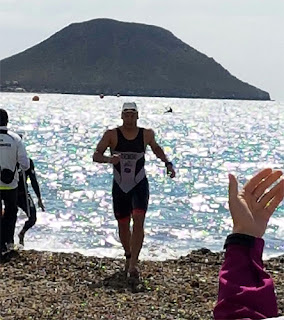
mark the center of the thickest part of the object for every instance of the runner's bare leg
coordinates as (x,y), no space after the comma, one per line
(125,238)
(137,238)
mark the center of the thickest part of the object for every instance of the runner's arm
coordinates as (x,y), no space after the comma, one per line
(159,152)
(156,148)
(104,143)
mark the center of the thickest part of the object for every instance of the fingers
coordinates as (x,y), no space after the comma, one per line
(272,199)
(233,187)
(266,183)
(115,158)
(255,180)
(116,155)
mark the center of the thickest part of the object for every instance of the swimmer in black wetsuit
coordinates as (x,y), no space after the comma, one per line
(25,200)
(169,110)
(130,186)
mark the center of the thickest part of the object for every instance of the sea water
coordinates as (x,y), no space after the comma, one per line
(205,139)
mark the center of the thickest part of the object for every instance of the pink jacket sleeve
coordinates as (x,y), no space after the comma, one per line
(246,291)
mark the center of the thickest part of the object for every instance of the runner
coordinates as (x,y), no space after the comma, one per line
(130,191)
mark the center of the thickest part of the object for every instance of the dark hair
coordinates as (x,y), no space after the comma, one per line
(3,117)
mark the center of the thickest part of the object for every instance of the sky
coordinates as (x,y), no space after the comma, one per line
(245,36)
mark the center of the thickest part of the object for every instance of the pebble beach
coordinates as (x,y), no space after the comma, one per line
(47,285)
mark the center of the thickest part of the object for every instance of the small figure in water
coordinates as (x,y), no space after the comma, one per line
(169,110)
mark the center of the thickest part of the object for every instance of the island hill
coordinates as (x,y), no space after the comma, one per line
(111,57)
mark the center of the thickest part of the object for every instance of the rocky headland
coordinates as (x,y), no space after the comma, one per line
(130,59)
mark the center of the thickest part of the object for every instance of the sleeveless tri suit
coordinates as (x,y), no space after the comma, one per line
(130,186)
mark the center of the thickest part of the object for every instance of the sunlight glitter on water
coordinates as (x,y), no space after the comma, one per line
(205,139)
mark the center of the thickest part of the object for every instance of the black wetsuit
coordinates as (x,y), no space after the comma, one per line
(130,185)
(25,202)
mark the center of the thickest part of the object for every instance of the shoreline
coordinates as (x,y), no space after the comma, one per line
(115,94)
(56,285)
(101,254)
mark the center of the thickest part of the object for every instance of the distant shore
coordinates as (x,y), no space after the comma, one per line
(137,94)
(48,285)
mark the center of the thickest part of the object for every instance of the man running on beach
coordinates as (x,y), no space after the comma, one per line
(25,200)
(130,190)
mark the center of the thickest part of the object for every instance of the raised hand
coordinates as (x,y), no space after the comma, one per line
(253,206)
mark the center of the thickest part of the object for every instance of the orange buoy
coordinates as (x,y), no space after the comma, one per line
(36,98)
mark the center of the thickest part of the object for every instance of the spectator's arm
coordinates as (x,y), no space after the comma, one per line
(245,289)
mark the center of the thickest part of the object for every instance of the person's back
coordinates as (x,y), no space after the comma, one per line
(9,147)
(11,151)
